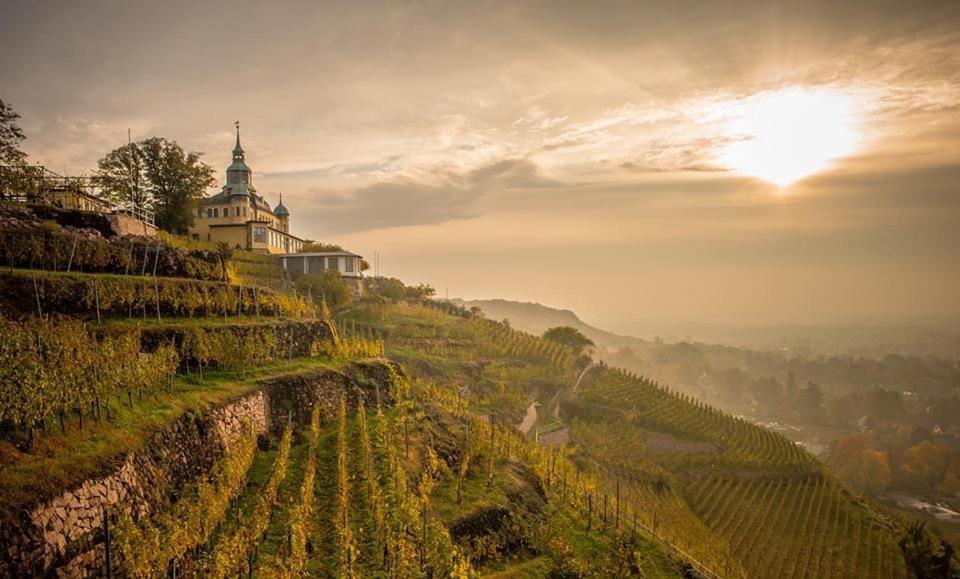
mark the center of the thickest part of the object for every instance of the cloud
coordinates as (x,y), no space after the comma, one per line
(437,196)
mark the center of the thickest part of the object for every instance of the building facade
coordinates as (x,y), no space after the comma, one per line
(239,217)
(343,262)
(347,264)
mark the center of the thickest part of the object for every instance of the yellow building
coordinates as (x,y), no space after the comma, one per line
(241,218)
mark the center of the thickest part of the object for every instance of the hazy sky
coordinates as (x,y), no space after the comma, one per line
(579,154)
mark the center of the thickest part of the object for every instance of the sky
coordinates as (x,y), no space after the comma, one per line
(758,162)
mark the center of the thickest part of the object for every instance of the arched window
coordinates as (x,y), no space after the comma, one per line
(216,212)
(200,212)
(209,212)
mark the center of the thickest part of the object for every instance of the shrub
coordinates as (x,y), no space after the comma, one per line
(326,287)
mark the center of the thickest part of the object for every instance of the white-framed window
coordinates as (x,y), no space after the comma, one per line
(348,264)
(259,235)
(332,263)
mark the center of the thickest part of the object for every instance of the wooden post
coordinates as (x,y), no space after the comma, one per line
(72,250)
(616,523)
(96,297)
(604,510)
(36,294)
(589,509)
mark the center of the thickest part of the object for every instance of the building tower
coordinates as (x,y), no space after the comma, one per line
(239,175)
(283,215)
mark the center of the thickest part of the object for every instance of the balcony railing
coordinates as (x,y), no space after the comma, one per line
(36,184)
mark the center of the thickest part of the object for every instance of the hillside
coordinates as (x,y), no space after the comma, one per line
(167,410)
(207,420)
(537,318)
(736,498)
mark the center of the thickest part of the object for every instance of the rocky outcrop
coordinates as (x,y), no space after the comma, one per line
(64,536)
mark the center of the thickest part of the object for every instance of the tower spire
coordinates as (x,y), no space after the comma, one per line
(237,148)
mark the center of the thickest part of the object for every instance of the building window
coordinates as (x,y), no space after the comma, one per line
(196,237)
(332,263)
(348,264)
(216,212)
(259,235)
(200,212)
(209,212)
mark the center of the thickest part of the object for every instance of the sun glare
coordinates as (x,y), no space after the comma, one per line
(785,135)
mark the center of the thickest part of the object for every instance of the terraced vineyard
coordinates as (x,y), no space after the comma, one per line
(809,527)
(345,464)
(740,499)
(781,513)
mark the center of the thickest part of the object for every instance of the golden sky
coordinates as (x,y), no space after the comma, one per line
(711,161)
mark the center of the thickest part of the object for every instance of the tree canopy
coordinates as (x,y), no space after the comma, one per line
(11,135)
(568,336)
(157,174)
(394,289)
(325,286)
(925,556)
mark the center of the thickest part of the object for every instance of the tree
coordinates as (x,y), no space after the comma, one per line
(11,135)
(866,469)
(177,179)
(791,386)
(311,246)
(420,292)
(924,558)
(326,286)
(388,287)
(811,403)
(922,466)
(121,172)
(569,337)
(156,174)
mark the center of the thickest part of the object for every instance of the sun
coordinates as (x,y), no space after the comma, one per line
(785,135)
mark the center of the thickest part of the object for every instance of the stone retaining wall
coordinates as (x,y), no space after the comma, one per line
(63,537)
(122,224)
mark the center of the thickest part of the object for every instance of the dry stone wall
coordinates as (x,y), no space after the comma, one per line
(66,533)
(64,536)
